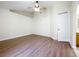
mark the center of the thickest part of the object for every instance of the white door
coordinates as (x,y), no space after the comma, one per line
(63,27)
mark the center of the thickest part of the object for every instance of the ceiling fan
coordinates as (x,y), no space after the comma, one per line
(37,7)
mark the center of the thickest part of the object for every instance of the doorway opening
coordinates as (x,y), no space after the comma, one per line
(77,26)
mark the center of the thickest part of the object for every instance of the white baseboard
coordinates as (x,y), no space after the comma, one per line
(8,38)
(63,40)
(11,37)
(53,38)
(43,35)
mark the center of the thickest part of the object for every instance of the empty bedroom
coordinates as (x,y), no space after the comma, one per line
(37,28)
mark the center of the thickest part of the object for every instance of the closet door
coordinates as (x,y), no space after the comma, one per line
(63,27)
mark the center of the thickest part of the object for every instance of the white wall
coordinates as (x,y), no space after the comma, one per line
(13,25)
(41,23)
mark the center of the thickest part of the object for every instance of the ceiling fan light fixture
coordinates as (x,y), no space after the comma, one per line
(37,8)
(36,5)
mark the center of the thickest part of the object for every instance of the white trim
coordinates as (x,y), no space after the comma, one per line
(64,40)
(8,38)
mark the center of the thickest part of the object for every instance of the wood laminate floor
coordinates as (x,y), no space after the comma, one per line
(35,46)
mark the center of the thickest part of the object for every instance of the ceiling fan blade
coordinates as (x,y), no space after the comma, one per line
(43,8)
(29,7)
